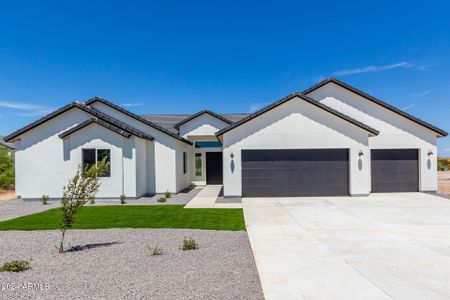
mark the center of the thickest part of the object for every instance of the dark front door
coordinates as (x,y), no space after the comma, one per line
(295,173)
(395,170)
(214,168)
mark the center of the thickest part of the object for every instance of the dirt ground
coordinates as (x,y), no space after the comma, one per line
(444,182)
(7,194)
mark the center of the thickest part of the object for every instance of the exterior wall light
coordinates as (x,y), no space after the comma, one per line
(360,153)
(430,153)
(232,155)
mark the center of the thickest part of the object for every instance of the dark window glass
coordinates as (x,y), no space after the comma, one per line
(208,144)
(106,155)
(88,158)
(184,163)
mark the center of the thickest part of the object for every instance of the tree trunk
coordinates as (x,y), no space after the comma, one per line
(61,246)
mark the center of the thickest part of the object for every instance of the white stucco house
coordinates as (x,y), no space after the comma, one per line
(329,140)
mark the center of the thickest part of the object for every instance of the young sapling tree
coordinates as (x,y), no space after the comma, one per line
(81,187)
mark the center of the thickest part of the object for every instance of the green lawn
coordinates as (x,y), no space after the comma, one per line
(170,216)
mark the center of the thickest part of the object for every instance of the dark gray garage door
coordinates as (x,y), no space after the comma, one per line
(395,170)
(295,173)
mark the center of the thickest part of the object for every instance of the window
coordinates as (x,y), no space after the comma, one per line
(198,164)
(93,156)
(184,163)
(88,158)
(208,144)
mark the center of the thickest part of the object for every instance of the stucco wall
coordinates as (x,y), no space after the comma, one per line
(396,132)
(164,151)
(183,179)
(297,124)
(141,167)
(44,162)
(204,124)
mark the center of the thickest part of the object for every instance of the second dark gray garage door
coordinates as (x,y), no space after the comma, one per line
(295,173)
(395,170)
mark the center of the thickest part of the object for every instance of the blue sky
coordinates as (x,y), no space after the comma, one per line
(228,56)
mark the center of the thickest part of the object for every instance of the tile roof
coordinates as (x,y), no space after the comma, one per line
(123,131)
(168,121)
(137,117)
(205,111)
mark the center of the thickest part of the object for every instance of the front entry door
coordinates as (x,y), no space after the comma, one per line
(214,168)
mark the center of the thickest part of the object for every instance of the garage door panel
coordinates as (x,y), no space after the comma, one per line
(395,170)
(289,173)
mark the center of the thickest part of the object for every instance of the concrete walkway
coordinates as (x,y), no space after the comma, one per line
(385,246)
(10,209)
(207,198)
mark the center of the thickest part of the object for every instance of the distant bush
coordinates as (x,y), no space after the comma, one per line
(15,266)
(167,195)
(6,169)
(44,199)
(122,199)
(189,244)
(92,199)
(162,199)
(443,164)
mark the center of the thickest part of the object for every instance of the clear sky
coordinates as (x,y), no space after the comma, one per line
(228,56)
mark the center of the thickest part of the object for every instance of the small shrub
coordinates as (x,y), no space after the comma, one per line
(15,266)
(155,250)
(167,195)
(122,199)
(44,199)
(189,244)
(162,199)
(92,199)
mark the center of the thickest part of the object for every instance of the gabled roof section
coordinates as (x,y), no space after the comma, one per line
(136,117)
(348,87)
(94,121)
(371,130)
(95,113)
(205,111)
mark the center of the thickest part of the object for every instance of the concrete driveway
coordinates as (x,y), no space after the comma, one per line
(385,246)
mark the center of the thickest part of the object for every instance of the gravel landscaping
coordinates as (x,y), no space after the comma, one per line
(117,264)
